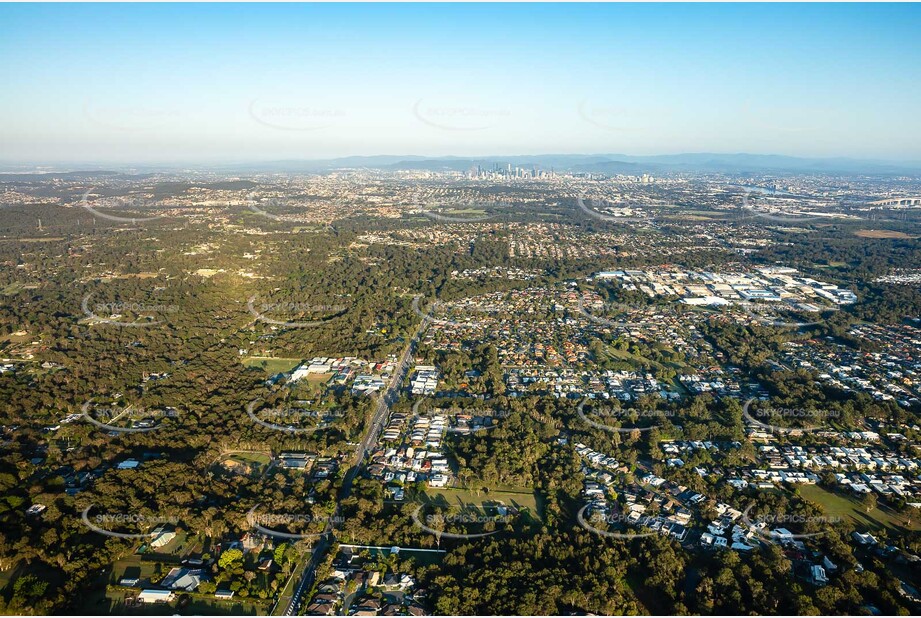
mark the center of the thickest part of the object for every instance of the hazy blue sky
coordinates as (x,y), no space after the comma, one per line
(187,83)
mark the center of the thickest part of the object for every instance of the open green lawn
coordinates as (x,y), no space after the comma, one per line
(132,566)
(13,288)
(7,576)
(624,355)
(615,353)
(284,598)
(255,462)
(464,211)
(272,365)
(310,386)
(518,497)
(259,459)
(697,215)
(111,600)
(175,549)
(847,507)
(190,605)
(420,557)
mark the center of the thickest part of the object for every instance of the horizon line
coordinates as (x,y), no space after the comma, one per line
(408,156)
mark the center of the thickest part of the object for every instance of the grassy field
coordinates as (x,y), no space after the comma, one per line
(259,459)
(883,234)
(616,354)
(132,566)
(255,462)
(13,288)
(176,549)
(272,365)
(7,576)
(113,599)
(518,497)
(190,605)
(48,239)
(693,217)
(310,386)
(847,507)
(462,211)
(284,598)
(421,558)
(675,213)
(624,355)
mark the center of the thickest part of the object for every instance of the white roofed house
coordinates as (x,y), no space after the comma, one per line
(180,578)
(782,534)
(128,464)
(299,373)
(366,384)
(818,575)
(36,509)
(864,538)
(319,366)
(155,596)
(161,536)
(425,381)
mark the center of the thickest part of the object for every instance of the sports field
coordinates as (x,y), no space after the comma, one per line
(272,365)
(519,498)
(847,507)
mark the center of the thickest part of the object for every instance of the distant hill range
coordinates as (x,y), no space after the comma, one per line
(602,164)
(608,164)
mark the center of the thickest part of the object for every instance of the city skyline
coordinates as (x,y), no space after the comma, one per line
(200,84)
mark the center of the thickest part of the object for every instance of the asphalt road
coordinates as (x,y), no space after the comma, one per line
(368,443)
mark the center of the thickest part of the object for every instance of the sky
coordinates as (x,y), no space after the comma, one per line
(207,83)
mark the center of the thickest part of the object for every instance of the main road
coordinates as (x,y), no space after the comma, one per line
(368,442)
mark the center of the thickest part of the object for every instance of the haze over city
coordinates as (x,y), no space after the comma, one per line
(460,309)
(239,83)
